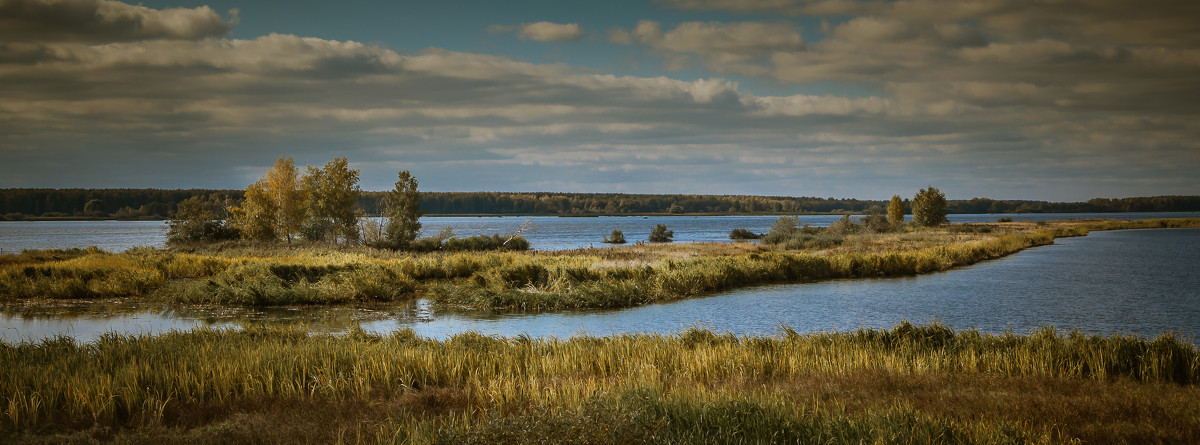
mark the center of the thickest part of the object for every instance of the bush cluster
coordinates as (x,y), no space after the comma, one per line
(788,232)
(660,234)
(743,234)
(617,237)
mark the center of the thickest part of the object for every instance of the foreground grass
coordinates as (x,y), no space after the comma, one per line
(911,383)
(256,275)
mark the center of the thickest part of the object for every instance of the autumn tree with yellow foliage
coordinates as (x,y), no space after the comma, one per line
(322,205)
(273,206)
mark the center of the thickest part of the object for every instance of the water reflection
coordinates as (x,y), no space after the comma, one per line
(1141,282)
(86,321)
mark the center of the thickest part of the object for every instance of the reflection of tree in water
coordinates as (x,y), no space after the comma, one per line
(72,310)
(28,318)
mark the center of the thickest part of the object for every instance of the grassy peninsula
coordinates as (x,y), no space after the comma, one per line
(259,274)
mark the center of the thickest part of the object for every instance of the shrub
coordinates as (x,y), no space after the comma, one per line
(483,242)
(432,243)
(660,234)
(787,226)
(844,226)
(198,221)
(617,237)
(743,234)
(877,223)
(788,233)
(929,207)
(1004,219)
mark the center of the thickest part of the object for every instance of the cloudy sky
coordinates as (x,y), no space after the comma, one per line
(1025,99)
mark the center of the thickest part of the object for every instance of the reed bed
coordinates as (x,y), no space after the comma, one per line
(693,386)
(539,283)
(258,275)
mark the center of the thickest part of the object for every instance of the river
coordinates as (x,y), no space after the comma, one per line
(1130,282)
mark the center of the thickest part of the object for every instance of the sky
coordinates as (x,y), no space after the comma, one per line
(1058,100)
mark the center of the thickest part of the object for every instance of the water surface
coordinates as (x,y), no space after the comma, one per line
(1139,282)
(543,232)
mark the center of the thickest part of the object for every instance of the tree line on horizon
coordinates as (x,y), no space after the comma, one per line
(20,203)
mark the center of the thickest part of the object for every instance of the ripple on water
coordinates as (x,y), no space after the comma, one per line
(1141,282)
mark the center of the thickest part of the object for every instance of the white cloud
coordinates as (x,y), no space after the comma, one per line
(802,105)
(735,48)
(543,31)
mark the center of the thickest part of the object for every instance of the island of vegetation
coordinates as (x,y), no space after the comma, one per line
(300,239)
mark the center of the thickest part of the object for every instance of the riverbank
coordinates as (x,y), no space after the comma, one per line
(625,276)
(909,384)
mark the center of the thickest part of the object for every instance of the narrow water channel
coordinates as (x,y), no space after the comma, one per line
(1132,282)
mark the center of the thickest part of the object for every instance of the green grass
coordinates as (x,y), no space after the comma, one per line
(910,383)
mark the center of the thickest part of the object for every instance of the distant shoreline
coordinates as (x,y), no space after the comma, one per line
(578,215)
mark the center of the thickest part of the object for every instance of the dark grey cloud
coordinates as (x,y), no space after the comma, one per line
(959,105)
(104,21)
(1150,22)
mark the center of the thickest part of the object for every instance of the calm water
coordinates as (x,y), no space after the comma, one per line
(544,232)
(1141,282)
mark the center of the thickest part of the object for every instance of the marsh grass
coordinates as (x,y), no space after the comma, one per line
(41,256)
(909,383)
(549,283)
(273,274)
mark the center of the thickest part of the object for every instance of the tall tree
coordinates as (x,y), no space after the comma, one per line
(283,186)
(254,217)
(273,206)
(895,211)
(402,207)
(332,210)
(929,207)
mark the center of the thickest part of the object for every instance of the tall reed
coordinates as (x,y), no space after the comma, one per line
(231,273)
(677,379)
(547,283)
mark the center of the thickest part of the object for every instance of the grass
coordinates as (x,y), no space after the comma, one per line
(551,283)
(624,276)
(908,384)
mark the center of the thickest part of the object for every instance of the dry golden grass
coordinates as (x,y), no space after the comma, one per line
(909,384)
(306,273)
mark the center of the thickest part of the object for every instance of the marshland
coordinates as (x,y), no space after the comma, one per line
(515,279)
(907,384)
(297,241)
(663,221)
(924,383)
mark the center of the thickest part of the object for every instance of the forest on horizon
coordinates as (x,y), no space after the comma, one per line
(21,203)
